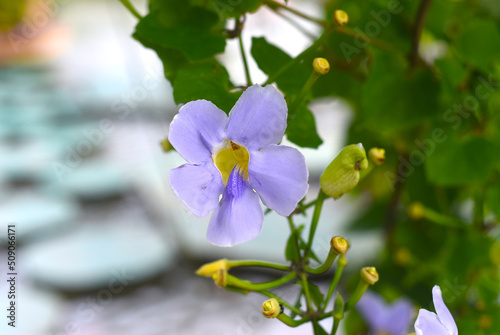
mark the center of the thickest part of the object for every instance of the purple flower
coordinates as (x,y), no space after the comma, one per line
(383,318)
(442,323)
(238,157)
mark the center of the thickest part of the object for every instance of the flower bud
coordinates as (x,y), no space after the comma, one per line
(321,65)
(209,269)
(340,17)
(485,322)
(166,145)
(369,275)
(338,307)
(416,211)
(271,308)
(377,155)
(220,278)
(339,244)
(342,175)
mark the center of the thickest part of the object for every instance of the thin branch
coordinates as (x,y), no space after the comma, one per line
(423,9)
(245,63)
(295,24)
(273,4)
(131,8)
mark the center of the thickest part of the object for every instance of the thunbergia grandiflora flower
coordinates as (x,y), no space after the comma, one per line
(442,323)
(384,318)
(238,157)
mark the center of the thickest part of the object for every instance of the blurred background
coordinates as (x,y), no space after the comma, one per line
(104,247)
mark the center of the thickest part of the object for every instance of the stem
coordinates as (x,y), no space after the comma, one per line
(273,5)
(314,223)
(336,278)
(358,293)
(290,322)
(373,41)
(336,323)
(245,63)
(247,285)
(306,88)
(306,291)
(297,59)
(296,25)
(325,266)
(281,267)
(295,240)
(281,301)
(131,8)
(423,9)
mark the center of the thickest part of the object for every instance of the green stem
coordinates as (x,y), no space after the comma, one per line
(281,301)
(296,25)
(131,8)
(248,285)
(273,5)
(297,59)
(373,41)
(281,267)
(314,223)
(336,278)
(358,293)
(295,240)
(290,322)
(442,220)
(336,323)
(306,88)
(325,266)
(245,63)
(306,291)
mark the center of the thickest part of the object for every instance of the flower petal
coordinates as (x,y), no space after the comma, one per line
(197,128)
(197,186)
(239,216)
(258,118)
(399,317)
(428,324)
(373,310)
(443,312)
(279,174)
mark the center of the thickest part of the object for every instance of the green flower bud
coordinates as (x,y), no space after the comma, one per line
(342,175)
(377,155)
(338,307)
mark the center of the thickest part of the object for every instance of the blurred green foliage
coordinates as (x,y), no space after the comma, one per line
(436,112)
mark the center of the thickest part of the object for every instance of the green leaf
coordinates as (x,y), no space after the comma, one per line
(318,330)
(193,35)
(451,70)
(270,59)
(392,101)
(231,8)
(316,295)
(208,81)
(456,162)
(301,128)
(291,247)
(479,43)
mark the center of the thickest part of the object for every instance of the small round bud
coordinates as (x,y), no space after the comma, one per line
(321,65)
(377,155)
(209,269)
(271,308)
(402,256)
(485,322)
(369,275)
(340,17)
(416,211)
(220,278)
(166,145)
(339,244)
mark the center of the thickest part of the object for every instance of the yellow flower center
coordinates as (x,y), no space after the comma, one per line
(230,155)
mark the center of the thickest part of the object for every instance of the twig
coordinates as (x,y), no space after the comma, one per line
(423,9)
